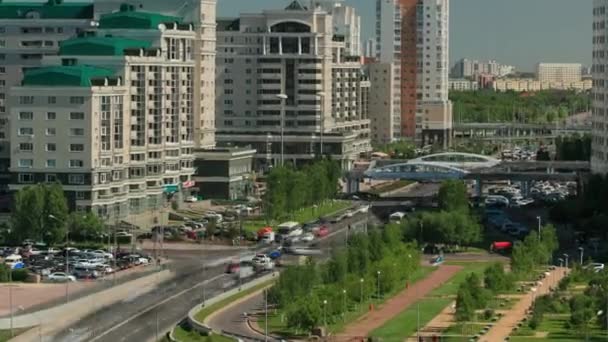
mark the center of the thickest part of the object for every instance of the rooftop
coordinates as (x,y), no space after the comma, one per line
(64,76)
(100,46)
(52,9)
(129,18)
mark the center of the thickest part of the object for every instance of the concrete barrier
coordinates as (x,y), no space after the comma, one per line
(202,327)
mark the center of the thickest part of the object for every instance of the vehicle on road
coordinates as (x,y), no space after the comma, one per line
(275,254)
(191,199)
(595,267)
(289,230)
(308,237)
(61,277)
(396,217)
(323,231)
(349,213)
(81,272)
(501,246)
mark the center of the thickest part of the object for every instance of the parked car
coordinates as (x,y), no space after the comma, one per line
(85,272)
(595,267)
(308,237)
(61,277)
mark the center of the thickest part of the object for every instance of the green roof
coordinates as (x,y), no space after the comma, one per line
(100,46)
(53,9)
(64,76)
(127,18)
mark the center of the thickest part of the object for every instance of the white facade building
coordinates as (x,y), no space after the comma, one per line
(559,72)
(347,23)
(468,68)
(292,52)
(599,70)
(462,84)
(111,117)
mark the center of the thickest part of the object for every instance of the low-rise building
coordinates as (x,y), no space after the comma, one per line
(530,84)
(462,84)
(224,173)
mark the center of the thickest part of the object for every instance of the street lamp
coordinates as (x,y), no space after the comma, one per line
(283,99)
(325,312)
(566,256)
(343,304)
(67,253)
(379,284)
(361,291)
(539,222)
(581,250)
(321,95)
(561,262)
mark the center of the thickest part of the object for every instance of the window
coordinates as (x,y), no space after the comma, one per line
(51,147)
(76,163)
(26,147)
(26,116)
(26,163)
(77,131)
(76,116)
(51,163)
(26,100)
(26,178)
(51,115)
(51,100)
(2,70)
(76,100)
(76,179)
(80,195)
(76,147)
(51,178)
(26,131)
(51,131)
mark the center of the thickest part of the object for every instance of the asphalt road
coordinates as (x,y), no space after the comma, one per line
(144,316)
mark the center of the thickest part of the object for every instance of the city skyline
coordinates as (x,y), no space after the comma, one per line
(490,38)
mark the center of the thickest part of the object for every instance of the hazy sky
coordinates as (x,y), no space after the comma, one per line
(518,32)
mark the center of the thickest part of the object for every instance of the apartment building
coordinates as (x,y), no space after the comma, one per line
(468,68)
(202,14)
(347,24)
(287,87)
(463,84)
(530,84)
(414,35)
(111,117)
(559,72)
(28,32)
(384,113)
(599,132)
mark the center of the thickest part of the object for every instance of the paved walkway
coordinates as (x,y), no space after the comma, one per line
(377,318)
(502,329)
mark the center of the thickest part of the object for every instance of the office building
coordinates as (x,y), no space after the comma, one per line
(406,31)
(202,14)
(286,83)
(111,116)
(468,68)
(559,72)
(599,71)
(29,31)
(384,114)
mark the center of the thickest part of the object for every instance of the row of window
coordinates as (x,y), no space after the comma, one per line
(50,131)
(28,116)
(73,179)
(50,163)
(28,100)
(50,147)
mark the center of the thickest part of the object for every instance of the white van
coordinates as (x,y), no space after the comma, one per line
(396,217)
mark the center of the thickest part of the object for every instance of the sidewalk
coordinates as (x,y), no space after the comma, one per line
(56,318)
(502,329)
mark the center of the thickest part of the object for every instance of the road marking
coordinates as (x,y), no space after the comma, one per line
(156,305)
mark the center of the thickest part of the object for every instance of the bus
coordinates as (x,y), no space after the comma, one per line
(288,230)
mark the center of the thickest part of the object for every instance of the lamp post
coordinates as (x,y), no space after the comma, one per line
(539,224)
(343,304)
(361,291)
(566,256)
(321,96)
(283,99)
(67,258)
(582,251)
(325,312)
(378,273)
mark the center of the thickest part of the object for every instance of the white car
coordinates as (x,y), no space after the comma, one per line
(61,277)
(349,213)
(101,254)
(191,199)
(595,267)
(261,259)
(308,237)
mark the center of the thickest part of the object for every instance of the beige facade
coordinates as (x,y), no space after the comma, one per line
(293,52)
(384,112)
(528,84)
(567,73)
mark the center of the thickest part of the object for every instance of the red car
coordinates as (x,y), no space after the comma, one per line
(322,232)
(233,267)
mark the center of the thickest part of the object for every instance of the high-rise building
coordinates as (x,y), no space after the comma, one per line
(111,116)
(29,31)
(559,72)
(347,24)
(370,48)
(384,114)
(414,35)
(202,14)
(599,141)
(287,86)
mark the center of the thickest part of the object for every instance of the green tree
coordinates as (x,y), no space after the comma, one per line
(465,305)
(480,296)
(377,250)
(305,313)
(337,267)
(85,226)
(453,196)
(581,313)
(496,279)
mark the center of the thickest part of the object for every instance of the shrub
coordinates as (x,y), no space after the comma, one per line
(4,273)
(488,314)
(20,274)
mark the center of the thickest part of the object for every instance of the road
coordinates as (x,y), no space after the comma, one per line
(141,317)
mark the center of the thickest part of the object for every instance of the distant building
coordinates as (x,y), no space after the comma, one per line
(347,23)
(370,48)
(467,68)
(384,114)
(559,72)
(599,132)
(530,84)
(462,84)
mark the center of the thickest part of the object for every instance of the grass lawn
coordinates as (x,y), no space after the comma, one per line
(356,310)
(555,326)
(387,187)
(184,335)
(404,324)
(461,332)
(302,215)
(202,314)
(5,335)
(450,288)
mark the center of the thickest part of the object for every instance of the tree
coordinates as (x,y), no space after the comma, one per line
(496,279)
(40,212)
(85,226)
(465,305)
(453,196)
(480,296)
(581,313)
(337,267)
(305,313)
